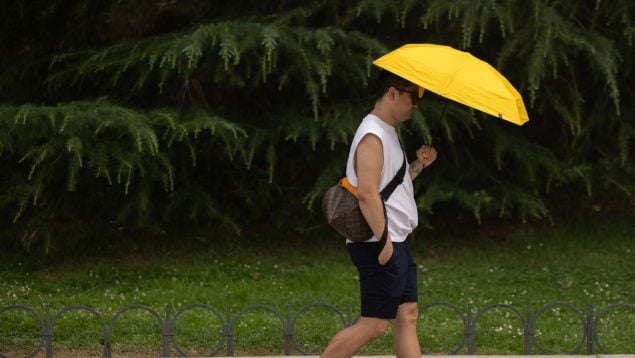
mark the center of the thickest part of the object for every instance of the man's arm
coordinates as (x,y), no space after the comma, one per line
(369,161)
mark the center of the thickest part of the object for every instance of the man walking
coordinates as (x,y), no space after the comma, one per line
(387,273)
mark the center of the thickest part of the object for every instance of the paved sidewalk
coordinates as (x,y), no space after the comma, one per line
(486,356)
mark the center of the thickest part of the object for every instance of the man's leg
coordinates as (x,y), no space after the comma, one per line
(351,339)
(405,339)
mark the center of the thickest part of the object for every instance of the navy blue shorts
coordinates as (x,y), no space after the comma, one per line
(384,288)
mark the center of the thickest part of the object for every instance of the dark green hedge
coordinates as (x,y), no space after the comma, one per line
(160,115)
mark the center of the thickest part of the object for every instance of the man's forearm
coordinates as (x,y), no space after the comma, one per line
(415,168)
(373,210)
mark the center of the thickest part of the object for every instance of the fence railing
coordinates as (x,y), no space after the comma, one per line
(590,342)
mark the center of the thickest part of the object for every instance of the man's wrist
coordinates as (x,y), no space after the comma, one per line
(417,166)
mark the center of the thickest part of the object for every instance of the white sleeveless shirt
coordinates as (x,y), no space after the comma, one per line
(401,207)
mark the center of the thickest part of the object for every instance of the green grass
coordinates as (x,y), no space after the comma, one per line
(580,262)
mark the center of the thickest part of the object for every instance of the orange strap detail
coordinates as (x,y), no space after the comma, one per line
(348,186)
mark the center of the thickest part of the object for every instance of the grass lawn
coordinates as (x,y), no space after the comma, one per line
(581,262)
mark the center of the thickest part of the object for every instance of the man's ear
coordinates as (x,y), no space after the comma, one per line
(392,92)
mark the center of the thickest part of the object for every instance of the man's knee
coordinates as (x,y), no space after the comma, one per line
(408,313)
(379,330)
(375,328)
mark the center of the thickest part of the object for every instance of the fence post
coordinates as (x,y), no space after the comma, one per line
(469,331)
(288,332)
(590,329)
(529,332)
(47,332)
(108,342)
(167,332)
(108,338)
(229,333)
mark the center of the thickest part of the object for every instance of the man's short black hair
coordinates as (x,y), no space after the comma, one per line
(388,79)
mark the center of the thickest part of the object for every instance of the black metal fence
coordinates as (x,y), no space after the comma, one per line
(590,342)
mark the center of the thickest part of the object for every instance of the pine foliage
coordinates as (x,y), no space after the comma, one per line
(117,155)
(217,115)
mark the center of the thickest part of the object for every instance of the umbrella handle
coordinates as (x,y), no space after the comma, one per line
(443,112)
(436,131)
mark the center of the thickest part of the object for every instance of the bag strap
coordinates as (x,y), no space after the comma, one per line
(384,235)
(386,193)
(394,183)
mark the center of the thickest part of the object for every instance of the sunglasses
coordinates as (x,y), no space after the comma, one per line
(414,95)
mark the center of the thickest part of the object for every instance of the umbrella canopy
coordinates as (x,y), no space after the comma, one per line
(459,76)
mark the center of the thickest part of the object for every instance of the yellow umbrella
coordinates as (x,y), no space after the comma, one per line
(459,76)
